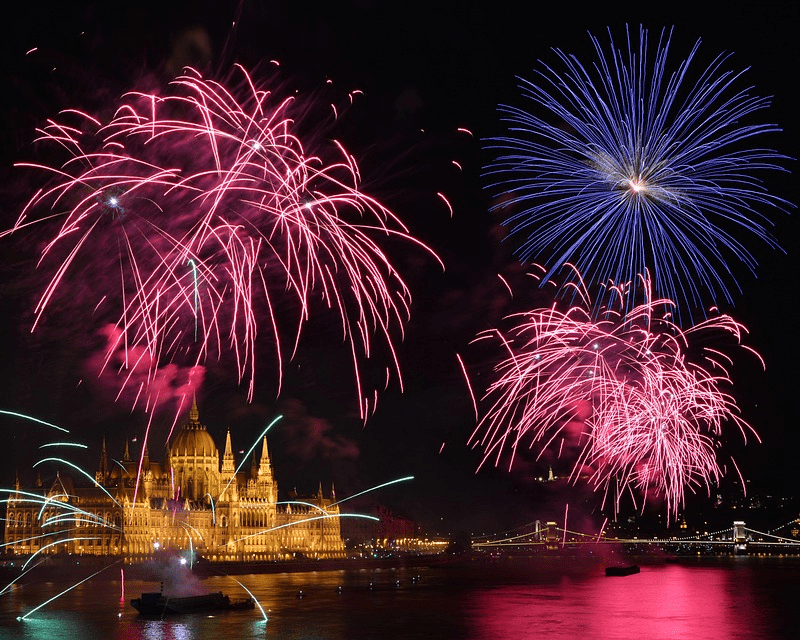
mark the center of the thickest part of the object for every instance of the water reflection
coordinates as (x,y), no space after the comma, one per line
(691,600)
(669,602)
(165,630)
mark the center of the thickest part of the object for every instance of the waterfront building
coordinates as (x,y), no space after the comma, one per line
(193,502)
(385,528)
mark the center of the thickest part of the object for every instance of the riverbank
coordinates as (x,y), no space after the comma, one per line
(203,568)
(70,568)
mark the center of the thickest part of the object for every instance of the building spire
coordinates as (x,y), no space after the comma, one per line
(228,446)
(104,461)
(228,463)
(127,456)
(194,414)
(228,473)
(264,466)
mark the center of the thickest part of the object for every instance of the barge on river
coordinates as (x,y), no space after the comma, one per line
(157,604)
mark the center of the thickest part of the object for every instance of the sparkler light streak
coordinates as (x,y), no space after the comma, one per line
(621,387)
(304,521)
(51,545)
(302,503)
(375,488)
(63,444)
(67,590)
(602,528)
(82,472)
(196,296)
(326,515)
(249,451)
(26,497)
(10,584)
(217,217)
(55,509)
(258,604)
(624,166)
(32,419)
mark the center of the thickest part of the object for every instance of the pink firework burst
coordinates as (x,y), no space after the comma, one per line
(213,229)
(618,385)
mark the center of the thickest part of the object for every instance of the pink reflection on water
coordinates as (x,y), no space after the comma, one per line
(666,602)
(671,602)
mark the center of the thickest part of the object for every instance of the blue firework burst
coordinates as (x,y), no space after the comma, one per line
(626,165)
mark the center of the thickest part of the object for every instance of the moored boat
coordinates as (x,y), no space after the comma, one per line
(622,571)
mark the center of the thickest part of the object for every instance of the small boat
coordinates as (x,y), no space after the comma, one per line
(622,571)
(157,603)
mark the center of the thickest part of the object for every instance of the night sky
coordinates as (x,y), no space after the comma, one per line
(426,70)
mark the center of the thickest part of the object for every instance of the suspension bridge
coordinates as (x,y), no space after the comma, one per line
(738,538)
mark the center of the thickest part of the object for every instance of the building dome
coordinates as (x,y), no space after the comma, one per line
(194,460)
(194,438)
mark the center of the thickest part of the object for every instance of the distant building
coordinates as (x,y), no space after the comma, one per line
(388,530)
(191,502)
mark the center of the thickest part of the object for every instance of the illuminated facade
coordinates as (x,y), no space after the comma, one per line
(192,503)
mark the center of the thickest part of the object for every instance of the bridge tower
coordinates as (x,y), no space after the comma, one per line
(552,535)
(739,537)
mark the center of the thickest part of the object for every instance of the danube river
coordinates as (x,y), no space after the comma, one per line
(696,599)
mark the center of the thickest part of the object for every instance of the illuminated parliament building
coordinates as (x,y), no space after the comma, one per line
(194,502)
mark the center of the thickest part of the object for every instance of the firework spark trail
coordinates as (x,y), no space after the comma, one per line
(67,590)
(262,435)
(54,502)
(52,545)
(14,414)
(222,223)
(10,584)
(375,488)
(64,444)
(325,515)
(649,416)
(624,166)
(55,509)
(602,528)
(304,521)
(82,472)
(258,604)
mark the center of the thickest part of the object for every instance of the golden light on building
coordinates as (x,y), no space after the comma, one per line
(193,502)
